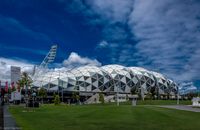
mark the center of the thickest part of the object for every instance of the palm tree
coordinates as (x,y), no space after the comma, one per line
(25,81)
(20,83)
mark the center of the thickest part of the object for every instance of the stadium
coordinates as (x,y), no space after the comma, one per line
(108,79)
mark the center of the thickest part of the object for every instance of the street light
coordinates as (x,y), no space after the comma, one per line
(117,94)
(61,87)
(178,94)
(62,93)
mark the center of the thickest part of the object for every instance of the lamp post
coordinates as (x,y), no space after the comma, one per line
(178,94)
(61,87)
(117,95)
(62,93)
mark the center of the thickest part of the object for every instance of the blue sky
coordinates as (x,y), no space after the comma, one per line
(163,36)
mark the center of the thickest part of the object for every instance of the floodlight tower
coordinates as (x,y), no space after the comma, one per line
(49,58)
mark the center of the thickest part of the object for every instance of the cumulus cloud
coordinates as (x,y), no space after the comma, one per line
(6,63)
(168,34)
(187,87)
(112,10)
(159,35)
(75,60)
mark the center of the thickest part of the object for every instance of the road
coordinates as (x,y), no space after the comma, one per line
(182,107)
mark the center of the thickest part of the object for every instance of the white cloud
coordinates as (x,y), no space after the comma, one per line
(102,44)
(112,10)
(187,87)
(5,65)
(75,60)
(168,36)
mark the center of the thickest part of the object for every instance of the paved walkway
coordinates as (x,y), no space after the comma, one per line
(1,117)
(9,122)
(182,107)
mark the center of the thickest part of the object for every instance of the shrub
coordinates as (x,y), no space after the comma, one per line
(43,93)
(101,98)
(57,100)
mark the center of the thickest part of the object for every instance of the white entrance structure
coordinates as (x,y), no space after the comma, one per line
(196,101)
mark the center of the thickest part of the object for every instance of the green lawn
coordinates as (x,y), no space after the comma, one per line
(105,117)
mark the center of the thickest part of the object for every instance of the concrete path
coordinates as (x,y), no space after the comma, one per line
(1,118)
(9,122)
(182,107)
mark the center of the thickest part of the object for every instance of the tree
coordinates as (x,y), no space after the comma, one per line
(43,93)
(133,90)
(101,98)
(153,92)
(13,89)
(20,83)
(25,80)
(75,97)
(148,96)
(56,100)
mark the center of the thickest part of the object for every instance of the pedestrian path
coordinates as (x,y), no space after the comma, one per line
(1,118)
(9,122)
(182,107)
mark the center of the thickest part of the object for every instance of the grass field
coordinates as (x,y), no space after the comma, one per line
(106,117)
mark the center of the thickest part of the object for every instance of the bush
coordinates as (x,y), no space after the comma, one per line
(56,100)
(42,93)
(101,98)
(75,97)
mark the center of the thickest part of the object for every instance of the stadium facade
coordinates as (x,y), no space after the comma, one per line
(107,79)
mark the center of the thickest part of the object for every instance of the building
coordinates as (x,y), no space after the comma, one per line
(108,79)
(15,74)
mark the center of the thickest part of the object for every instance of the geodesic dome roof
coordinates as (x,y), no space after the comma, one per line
(162,82)
(51,78)
(145,78)
(109,78)
(92,78)
(172,87)
(122,79)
